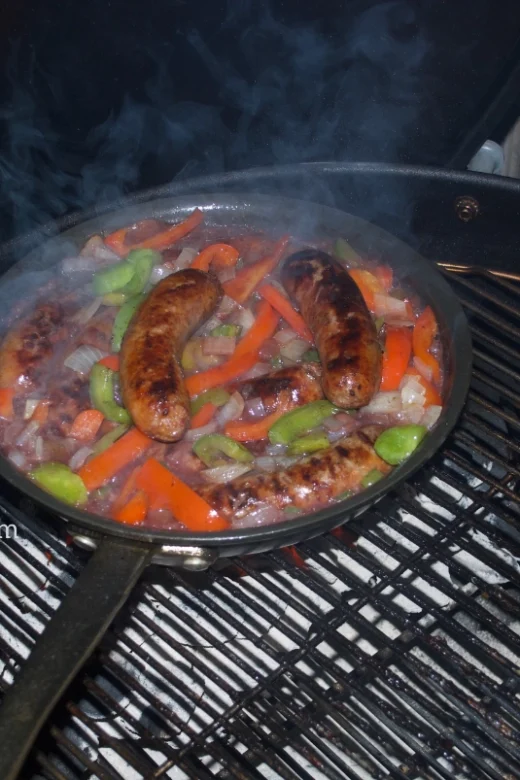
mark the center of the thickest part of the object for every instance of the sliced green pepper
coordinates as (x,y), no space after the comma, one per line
(311,356)
(142,261)
(294,424)
(58,480)
(396,444)
(311,443)
(371,478)
(343,496)
(231,331)
(277,362)
(122,320)
(209,447)
(344,251)
(108,439)
(113,299)
(102,395)
(216,396)
(113,278)
(379,322)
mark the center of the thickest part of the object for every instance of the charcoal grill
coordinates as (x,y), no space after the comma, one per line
(387,649)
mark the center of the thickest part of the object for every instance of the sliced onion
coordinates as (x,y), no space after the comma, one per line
(412,391)
(430,416)
(384,403)
(30,408)
(83,358)
(231,410)
(269,349)
(221,474)
(27,432)
(160,272)
(87,312)
(185,258)
(38,448)
(96,247)
(266,463)
(387,306)
(340,425)
(195,433)
(226,275)
(219,345)
(255,407)
(246,319)
(79,458)
(423,369)
(17,458)
(294,350)
(285,462)
(227,305)
(285,336)
(74,265)
(259,369)
(263,514)
(413,413)
(275,449)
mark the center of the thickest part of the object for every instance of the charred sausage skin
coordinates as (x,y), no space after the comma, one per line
(152,381)
(345,335)
(308,484)
(288,387)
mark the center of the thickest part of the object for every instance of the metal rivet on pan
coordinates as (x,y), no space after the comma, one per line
(195,563)
(85,542)
(466,208)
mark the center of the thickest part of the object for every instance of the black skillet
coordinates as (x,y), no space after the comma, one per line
(121,553)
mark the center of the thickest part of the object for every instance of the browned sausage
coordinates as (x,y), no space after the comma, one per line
(152,381)
(309,483)
(29,344)
(288,387)
(345,335)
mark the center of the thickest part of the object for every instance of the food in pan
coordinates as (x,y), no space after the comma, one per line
(184,377)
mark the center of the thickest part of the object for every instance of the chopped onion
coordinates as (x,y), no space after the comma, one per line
(259,369)
(231,410)
(413,413)
(387,306)
(246,319)
(195,433)
(255,407)
(430,416)
(96,247)
(294,350)
(38,448)
(226,275)
(423,369)
(285,335)
(227,305)
(285,462)
(79,458)
(275,449)
(269,349)
(219,345)
(384,403)
(340,425)
(160,272)
(30,408)
(27,432)
(412,391)
(226,473)
(83,358)
(17,458)
(264,514)
(185,258)
(87,312)
(266,463)
(72,265)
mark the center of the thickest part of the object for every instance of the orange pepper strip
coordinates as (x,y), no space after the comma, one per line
(41,412)
(103,467)
(220,255)
(110,361)
(254,431)
(243,358)
(249,277)
(396,357)
(86,425)
(369,286)
(424,332)
(283,306)
(432,396)
(188,507)
(134,511)
(117,243)
(6,403)
(204,415)
(385,276)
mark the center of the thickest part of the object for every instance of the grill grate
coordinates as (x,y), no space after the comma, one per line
(389,648)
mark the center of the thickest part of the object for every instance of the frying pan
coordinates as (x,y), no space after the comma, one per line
(121,553)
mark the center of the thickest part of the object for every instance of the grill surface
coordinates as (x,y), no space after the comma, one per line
(388,649)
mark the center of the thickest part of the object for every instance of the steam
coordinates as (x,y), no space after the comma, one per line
(341,88)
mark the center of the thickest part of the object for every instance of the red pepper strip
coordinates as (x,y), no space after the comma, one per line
(134,511)
(204,415)
(284,307)
(220,255)
(6,403)
(262,329)
(120,241)
(385,276)
(396,357)
(369,286)
(249,277)
(424,333)
(432,397)
(101,468)
(252,431)
(167,490)
(110,361)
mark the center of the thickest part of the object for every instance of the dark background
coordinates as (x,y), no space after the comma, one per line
(103,97)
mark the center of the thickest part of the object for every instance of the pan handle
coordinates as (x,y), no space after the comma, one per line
(66,643)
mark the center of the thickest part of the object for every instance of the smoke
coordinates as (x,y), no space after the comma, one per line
(256,87)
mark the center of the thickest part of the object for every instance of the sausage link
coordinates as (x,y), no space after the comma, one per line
(345,335)
(288,387)
(152,381)
(312,482)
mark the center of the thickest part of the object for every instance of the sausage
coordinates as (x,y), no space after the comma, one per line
(288,387)
(152,381)
(29,344)
(310,483)
(345,335)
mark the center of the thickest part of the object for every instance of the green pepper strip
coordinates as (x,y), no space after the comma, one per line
(311,356)
(344,251)
(208,447)
(122,320)
(108,439)
(58,480)
(227,330)
(102,395)
(294,424)
(113,278)
(216,396)
(371,478)
(396,444)
(311,443)
(142,260)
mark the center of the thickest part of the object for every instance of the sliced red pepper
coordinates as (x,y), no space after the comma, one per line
(396,357)
(121,241)
(424,332)
(218,255)
(248,279)
(369,286)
